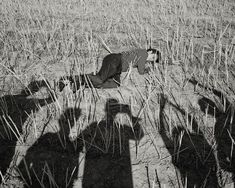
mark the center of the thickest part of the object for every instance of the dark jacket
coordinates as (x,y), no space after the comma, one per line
(135,57)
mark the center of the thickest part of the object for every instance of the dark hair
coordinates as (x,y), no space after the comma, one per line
(154,51)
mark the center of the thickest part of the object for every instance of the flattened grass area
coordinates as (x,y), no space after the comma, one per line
(184,106)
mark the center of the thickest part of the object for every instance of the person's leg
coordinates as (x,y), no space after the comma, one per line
(111,69)
(93,81)
(111,66)
(76,81)
(112,82)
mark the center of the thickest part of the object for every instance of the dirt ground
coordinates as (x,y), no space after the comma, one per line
(147,161)
(172,127)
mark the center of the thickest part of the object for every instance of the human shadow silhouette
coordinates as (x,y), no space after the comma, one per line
(191,153)
(108,161)
(14,111)
(224,131)
(53,161)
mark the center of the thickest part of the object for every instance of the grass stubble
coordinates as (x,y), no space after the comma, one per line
(47,39)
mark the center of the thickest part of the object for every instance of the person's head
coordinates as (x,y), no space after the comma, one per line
(153,55)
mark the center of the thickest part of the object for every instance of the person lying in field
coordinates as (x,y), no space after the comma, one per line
(112,67)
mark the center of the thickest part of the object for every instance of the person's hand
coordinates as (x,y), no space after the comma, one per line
(148,67)
(62,83)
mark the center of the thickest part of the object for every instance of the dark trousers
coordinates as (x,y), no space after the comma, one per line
(111,67)
(109,73)
(107,77)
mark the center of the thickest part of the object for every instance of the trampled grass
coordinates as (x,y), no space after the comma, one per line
(184,144)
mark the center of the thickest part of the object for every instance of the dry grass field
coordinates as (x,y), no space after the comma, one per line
(173,127)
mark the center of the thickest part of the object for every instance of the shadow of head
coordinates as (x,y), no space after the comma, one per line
(68,119)
(176,131)
(113,107)
(208,106)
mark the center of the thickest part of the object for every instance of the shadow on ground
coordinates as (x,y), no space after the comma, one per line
(191,154)
(14,111)
(222,110)
(108,161)
(53,160)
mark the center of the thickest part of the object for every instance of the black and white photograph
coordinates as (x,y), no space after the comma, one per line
(117,93)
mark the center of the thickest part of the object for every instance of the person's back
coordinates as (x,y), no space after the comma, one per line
(135,58)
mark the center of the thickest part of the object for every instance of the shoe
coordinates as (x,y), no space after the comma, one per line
(62,83)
